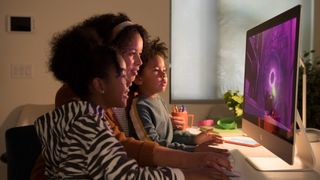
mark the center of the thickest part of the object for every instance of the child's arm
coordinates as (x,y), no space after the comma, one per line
(206,137)
(144,123)
(184,137)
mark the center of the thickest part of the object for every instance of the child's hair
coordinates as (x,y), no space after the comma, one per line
(152,49)
(78,56)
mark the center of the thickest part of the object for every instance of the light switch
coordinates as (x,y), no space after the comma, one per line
(20,24)
(21,71)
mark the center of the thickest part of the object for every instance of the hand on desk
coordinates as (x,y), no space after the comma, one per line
(216,158)
(220,164)
(206,140)
(208,137)
(216,162)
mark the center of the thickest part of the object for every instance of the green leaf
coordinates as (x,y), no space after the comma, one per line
(238,99)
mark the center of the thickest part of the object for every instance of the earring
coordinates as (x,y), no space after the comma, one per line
(102,92)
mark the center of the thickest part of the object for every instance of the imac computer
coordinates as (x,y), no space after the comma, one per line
(270,93)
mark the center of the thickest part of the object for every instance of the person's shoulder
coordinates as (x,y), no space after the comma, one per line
(146,102)
(81,112)
(90,121)
(139,100)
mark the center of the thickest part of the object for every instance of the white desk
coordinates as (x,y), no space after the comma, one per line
(250,173)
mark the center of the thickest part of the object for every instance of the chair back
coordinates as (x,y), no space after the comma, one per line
(30,112)
(22,148)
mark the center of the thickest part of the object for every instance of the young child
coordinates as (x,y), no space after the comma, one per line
(149,115)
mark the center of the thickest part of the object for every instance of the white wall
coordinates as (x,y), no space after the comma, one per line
(51,16)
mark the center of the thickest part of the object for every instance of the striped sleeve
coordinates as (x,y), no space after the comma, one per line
(108,160)
(82,146)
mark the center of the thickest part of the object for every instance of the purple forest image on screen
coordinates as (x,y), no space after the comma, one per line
(269,77)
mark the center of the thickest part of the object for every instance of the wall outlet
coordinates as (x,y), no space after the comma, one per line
(21,71)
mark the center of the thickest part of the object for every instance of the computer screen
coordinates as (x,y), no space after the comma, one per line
(270,83)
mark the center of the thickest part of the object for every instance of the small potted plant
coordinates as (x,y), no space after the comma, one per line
(234,101)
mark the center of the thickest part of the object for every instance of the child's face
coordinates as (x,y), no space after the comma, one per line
(154,76)
(131,55)
(116,86)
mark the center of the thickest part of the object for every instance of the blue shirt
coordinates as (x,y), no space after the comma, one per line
(151,121)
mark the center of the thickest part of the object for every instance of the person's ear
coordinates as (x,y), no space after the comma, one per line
(98,86)
(138,80)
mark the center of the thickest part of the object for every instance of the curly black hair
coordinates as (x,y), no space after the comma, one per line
(152,49)
(67,49)
(105,24)
(78,55)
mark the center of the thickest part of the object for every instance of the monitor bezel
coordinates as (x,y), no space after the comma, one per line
(280,146)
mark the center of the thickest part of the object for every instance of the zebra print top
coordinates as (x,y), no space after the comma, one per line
(77,143)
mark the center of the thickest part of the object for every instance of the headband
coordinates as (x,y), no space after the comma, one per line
(118,28)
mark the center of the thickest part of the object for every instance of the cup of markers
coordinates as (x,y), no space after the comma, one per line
(181,111)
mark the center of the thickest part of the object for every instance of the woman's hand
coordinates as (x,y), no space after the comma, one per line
(216,163)
(208,136)
(217,160)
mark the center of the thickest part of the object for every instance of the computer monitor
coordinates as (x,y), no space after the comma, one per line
(270,84)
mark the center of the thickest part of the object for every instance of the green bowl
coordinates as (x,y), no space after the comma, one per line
(226,123)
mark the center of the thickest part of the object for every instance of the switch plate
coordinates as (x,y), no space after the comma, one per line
(20,24)
(21,71)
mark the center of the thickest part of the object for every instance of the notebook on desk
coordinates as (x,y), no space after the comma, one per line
(241,140)
(229,132)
